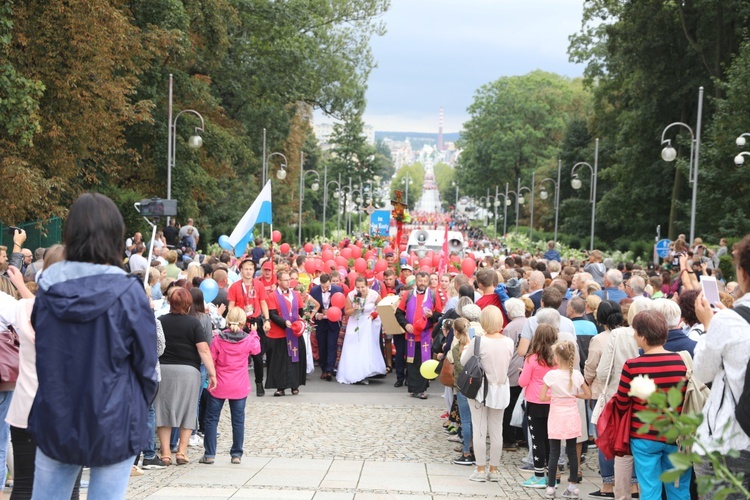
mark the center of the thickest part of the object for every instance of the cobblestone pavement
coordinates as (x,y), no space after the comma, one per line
(335,441)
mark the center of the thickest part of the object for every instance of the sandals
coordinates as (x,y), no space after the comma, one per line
(419,395)
(279,394)
(295,392)
(236,460)
(167,460)
(206,460)
(388,369)
(181,459)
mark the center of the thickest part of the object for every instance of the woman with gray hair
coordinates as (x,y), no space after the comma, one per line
(517,313)
(677,340)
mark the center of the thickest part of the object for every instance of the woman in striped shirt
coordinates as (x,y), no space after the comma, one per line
(666,369)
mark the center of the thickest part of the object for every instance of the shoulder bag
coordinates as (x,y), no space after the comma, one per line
(602,400)
(9,355)
(472,377)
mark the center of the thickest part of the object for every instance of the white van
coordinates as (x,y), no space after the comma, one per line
(422,241)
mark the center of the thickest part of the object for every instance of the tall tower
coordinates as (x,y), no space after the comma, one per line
(440,131)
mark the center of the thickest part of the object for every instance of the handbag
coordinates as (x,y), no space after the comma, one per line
(472,377)
(9,357)
(602,399)
(613,430)
(446,373)
(516,419)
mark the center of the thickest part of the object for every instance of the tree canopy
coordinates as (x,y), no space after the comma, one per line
(84,87)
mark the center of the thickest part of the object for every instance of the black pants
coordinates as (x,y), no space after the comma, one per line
(24,453)
(400,342)
(258,358)
(538,416)
(414,379)
(512,435)
(554,455)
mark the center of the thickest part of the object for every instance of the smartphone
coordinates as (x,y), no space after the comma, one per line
(472,333)
(710,289)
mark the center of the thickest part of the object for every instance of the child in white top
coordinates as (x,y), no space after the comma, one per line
(561,387)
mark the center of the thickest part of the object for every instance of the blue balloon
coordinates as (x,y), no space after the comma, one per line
(224,242)
(210,289)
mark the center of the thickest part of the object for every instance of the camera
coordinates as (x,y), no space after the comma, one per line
(12,230)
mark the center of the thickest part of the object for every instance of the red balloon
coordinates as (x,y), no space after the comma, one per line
(340,261)
(346,253)
(360,265)
(379,275)
(338,300)
(319,266)
(285,248)
(426,269)
(352,279)
(426,262)
(381,265)
(358,243)
(356,252)
(429,253)
(308,247)
(333,314)
(369,254)
(435,261)
(276,236)
(414,260)
(325,246)
(388,249)
(326,255)
(330,265)
(402,247)
(310,266)
(455,258)
(468,266)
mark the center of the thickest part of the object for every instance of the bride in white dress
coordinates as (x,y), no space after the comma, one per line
(360,355)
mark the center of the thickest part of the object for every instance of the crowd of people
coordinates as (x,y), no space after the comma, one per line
(553,336)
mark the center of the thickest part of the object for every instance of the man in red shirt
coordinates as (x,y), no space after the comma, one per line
(287,356)
(267,279)
(418,311)
(487,281)
(248,294)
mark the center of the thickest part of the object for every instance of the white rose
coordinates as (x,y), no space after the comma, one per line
(642,387)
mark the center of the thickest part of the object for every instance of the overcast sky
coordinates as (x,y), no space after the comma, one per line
(439,52)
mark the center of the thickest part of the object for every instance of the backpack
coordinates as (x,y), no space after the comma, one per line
(696,392)
(472,376)
(742,408)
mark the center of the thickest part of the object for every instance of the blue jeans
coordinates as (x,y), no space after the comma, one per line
(54,480)
(204,384)
(5,398)
(465,413)
(213,412)
(651,459)
(149,451)
(606,469)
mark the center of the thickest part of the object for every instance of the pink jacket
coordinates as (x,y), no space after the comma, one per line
(532,378)
(230,360)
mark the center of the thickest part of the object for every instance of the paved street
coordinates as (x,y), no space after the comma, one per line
(339,442)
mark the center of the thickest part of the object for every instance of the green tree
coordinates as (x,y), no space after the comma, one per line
(445,176)
(414,174)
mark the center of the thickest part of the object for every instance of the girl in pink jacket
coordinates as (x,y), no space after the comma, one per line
(230,351)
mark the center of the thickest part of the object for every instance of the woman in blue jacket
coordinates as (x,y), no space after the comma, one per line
(96,358)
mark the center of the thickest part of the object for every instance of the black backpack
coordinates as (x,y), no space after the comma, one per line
(472,376)
(742,409)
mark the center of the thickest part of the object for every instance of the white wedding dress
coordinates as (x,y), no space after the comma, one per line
(360,355)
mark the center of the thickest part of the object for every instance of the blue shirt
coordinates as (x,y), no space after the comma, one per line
(613,294)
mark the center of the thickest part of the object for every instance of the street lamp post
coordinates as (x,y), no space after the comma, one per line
(281,174)
(407,181)
(455,205)
(325,197)
(194,142)
(520,201)
(543,193)
(505,209)
(314,186)
(669,154)
(576,183)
